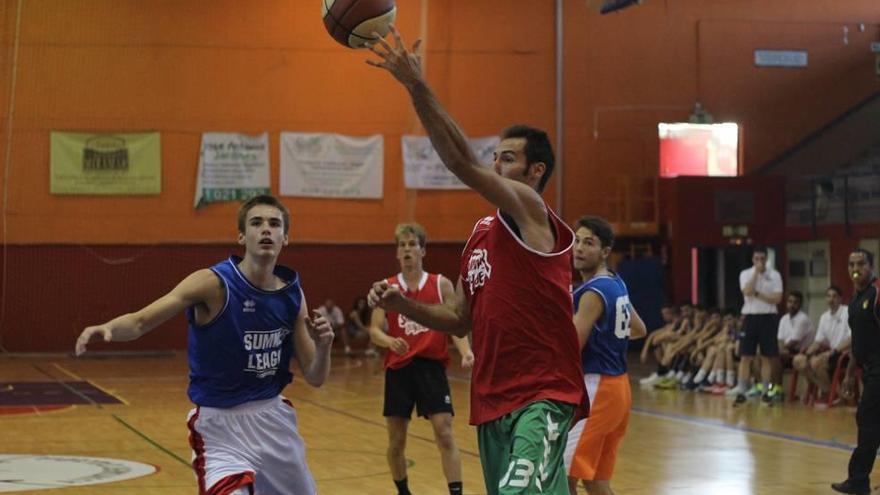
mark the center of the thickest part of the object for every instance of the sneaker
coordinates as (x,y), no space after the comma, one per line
(737,390)
(740,399)
(850,487)
(348,351)
(650,380)
(756,390)
(772,394)
(666,384)
(370,352)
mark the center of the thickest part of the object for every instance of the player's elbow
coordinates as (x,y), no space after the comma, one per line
(460,330)
(315,381)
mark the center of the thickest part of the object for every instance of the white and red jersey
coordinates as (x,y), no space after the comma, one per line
(423,342)
(524,341)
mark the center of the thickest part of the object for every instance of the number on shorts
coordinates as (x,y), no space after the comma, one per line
(519,474)
(621,320)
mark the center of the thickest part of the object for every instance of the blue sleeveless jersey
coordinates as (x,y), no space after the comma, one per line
(244,353)
(605,352)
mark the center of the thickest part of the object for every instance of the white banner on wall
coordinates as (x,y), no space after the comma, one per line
(331,165)
(422,168)
(232,167)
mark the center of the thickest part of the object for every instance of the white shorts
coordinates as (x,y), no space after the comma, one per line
(253,445)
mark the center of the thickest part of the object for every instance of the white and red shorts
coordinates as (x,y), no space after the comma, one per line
(254,447)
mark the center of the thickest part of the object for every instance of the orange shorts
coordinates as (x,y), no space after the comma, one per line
(591,450)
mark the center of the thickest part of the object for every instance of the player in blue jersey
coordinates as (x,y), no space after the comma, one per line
(247,316)
(605,322)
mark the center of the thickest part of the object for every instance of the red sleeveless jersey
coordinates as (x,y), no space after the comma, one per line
(423,342)
(524,340)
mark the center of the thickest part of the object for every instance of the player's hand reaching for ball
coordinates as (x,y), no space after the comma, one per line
(319,329)
(404,64)
(90,334)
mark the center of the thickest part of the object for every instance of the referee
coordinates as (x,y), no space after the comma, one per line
(864,320)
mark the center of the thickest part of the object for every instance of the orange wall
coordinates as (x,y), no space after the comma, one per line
(627,71)
(187,67)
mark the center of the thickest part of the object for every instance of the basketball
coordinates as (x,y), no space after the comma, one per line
(352,22)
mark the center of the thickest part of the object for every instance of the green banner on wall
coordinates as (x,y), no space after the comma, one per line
(82,163)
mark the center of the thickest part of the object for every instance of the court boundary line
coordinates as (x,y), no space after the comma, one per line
(90,382)
(151,441)
(382,425)
(68,387)
(716,423)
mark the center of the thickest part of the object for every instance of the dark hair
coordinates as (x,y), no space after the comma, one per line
(835,289)
(868,255)
(537,149)
(363,313)
(798,295)
(262,199)
(759,249)
(600,228)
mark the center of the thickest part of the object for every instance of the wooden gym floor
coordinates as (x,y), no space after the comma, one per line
(678,443)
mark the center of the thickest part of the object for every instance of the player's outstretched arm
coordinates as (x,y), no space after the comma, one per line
(197,288)
(313,339)
(515,198)
(451,316)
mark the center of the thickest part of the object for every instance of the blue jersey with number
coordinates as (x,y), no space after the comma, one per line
(243,354)
(605,351)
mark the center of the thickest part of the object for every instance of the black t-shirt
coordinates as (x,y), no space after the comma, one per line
(864,321)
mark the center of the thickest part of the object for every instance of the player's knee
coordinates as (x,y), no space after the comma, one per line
(396,448)
(443,434)
(817,364)
(396,442)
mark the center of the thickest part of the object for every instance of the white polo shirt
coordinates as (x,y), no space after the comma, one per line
(797,329)
(768,282)
(834,328)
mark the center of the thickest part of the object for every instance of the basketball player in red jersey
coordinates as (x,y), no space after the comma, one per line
(416,360)
(513,294)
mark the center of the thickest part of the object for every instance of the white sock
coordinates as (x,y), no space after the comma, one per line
(731,378)
(669,374)
(686,378)
(679,375)
(701,375)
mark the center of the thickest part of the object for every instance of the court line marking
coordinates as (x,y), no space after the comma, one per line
(90,382)
(151,441)
(832,444)
(379,424)
(68,387)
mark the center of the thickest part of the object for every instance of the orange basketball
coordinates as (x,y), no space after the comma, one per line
(352,22)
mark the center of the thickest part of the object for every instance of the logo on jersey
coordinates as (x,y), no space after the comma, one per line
(264,351)
(479,269)
(485,222)
(249,306)
(410,327)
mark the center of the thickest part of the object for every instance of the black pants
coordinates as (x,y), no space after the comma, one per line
(868,422)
